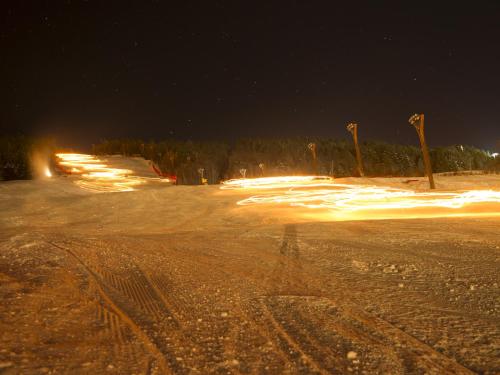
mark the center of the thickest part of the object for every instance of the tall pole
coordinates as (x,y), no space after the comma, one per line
(418,122)
(261,166)
(201,171)
(312,147)
(352,128)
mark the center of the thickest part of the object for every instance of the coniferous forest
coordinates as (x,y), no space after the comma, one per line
(254,157)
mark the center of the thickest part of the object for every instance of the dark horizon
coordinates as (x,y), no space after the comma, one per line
(85,71)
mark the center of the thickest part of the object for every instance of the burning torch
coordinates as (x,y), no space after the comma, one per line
(261,166)
(201,171)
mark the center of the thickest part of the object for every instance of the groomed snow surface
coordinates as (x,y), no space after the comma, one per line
(182,279)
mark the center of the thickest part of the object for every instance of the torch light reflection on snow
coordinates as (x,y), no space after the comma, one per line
(342,200)
(276,182)
(96,175)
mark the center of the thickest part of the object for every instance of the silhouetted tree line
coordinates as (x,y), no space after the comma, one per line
(16,155)
(173,157)
(260,157)
(256,157)
(14,158)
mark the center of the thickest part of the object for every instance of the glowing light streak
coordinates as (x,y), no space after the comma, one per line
(275,182)
(97,176)
(47,172)
(339,200)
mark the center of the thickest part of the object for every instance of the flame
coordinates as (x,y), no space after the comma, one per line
(347,201)
(96,175)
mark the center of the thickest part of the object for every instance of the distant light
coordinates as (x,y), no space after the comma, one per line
(48,173)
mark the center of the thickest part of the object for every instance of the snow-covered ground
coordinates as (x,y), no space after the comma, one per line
(182,279)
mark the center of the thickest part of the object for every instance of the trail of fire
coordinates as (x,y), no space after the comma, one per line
(96,175)
(276,182)
(342,200)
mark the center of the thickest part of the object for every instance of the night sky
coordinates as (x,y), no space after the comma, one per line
(86,70)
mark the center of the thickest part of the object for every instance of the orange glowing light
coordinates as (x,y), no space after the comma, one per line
(97,176)
(346,201)
(275,182)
